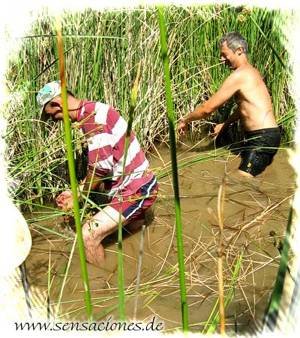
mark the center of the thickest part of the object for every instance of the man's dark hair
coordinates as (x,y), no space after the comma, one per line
(234,41)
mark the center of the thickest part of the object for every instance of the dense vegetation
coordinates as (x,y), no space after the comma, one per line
(103,50)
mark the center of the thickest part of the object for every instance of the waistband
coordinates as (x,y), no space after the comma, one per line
(263,131)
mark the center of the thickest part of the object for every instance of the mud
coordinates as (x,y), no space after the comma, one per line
(254,214)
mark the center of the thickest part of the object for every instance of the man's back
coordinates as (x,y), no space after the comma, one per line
(107,148)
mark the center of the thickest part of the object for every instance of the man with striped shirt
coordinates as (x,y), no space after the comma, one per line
(132,187)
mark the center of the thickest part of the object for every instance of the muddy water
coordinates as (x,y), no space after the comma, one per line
(254,215)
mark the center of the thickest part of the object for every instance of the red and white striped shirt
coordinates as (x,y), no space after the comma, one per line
(105,131)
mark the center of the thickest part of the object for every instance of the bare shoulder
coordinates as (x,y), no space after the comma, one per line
(248,72)
(242,78)
(235,77)
(248,76)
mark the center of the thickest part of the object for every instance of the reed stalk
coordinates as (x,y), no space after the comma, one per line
(71,165)
(279,58)
(139,271)
(172,138)
(133,100)
(58,307)
(49,288)
(214,318)
(221,196)
(272,310)
(26,288)
(121,282)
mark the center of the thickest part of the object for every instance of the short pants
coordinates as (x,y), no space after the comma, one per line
(259,148)
(133,207)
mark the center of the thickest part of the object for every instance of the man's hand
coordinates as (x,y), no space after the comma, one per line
(217,129)
(65,200)
(181,128)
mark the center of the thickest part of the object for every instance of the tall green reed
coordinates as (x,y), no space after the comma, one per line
(133,100)
(172,137)
(272,310)
(73,179)
(221,198)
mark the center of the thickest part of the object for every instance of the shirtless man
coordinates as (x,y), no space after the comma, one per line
(262,135)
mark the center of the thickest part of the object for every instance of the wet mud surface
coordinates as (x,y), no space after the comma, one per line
(254,213)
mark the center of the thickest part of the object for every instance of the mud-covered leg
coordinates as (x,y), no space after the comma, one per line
(95,230)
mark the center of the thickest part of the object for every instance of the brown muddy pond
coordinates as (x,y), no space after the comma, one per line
(255,217)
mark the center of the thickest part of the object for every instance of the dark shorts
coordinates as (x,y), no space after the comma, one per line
(259,148)
(133,207)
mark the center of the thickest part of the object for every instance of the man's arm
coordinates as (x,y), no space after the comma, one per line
(222,126)
(232,118)
(229,87)
(91,181)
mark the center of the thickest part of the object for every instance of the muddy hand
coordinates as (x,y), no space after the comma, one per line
(217,129)
(181,127)
(65,200)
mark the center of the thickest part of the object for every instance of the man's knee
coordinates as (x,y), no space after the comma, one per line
(94,251)
(88,233)
(244,173)
(101,225)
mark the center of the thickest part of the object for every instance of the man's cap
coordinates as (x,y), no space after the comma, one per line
(46,94)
